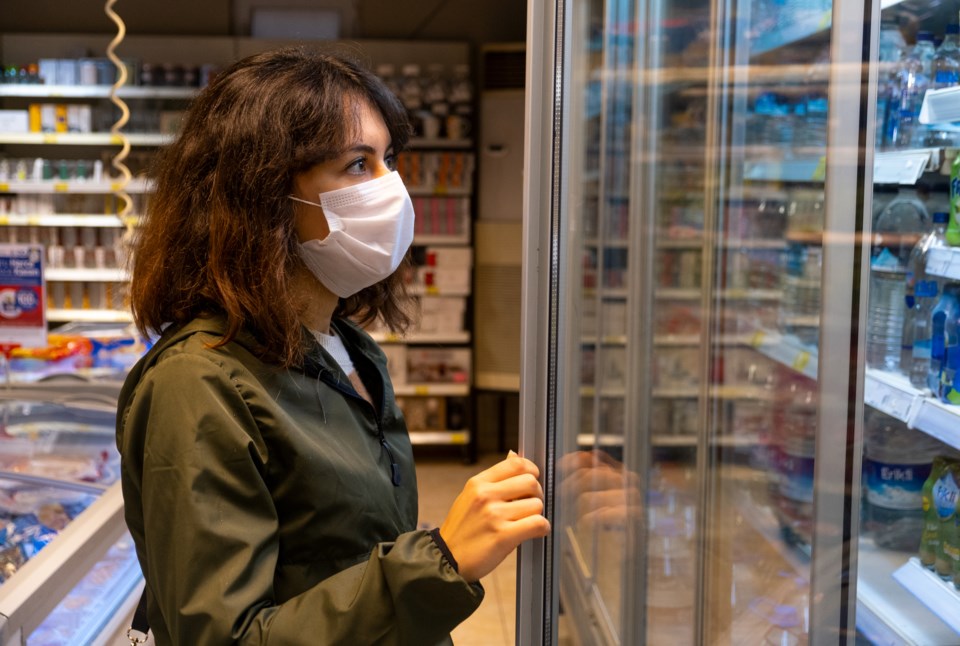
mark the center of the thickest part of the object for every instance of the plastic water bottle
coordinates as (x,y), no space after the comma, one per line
(897,462)
(913,79)
(892,48)
(943,335)
(945,66)
(920,291)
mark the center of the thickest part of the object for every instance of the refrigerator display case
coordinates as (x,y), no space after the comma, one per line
(68,568)
(723,305)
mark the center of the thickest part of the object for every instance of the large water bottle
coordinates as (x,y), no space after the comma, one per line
(943,335)
(897,229)
(913,80)
(892,49)
(896,463)
(920,287)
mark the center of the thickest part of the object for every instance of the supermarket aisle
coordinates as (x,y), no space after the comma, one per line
(439,481)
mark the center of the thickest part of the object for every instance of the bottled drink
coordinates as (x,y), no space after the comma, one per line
(945,66)
(913,80)
(943,335)
(953,227)
(930,538)
(411,94)
(945,491)
(897,462)
(388,74)
(892,48)
(920,290)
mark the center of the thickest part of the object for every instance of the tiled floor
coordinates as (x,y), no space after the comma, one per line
(439,481)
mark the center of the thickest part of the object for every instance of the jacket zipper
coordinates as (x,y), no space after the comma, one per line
(394,467)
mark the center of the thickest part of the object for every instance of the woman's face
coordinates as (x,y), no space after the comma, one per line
(370,157)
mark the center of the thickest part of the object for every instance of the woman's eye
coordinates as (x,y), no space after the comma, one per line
(358,167)
(390,161)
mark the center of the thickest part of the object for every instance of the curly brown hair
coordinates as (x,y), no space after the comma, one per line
(219,234)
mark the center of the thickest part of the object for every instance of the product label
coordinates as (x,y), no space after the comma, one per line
(895,486)
(945,492)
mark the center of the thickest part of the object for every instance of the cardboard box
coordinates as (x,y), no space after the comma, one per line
(14,121)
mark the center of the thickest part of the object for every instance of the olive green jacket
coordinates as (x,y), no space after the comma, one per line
(274,506)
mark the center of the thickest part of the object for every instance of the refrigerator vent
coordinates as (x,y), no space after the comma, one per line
(504,70)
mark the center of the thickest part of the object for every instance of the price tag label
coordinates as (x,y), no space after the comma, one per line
(4,220)
(757,339)
(421,390)
(820,172)
(433,290)
(939,261)
(801,361)
(4,188)
(116,139)
(116,186)
(392,338)
(61,187)
(459,438)
(33,221)
(50,139)
(440,190)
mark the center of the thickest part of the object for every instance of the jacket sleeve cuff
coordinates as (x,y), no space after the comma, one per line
(442,546)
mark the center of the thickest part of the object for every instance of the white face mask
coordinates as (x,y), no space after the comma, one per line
(371,228)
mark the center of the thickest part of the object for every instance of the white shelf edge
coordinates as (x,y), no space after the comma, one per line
(41,91)
(420,290)
(80,187)
(431,390)
(422,337)
(606,339)
(453,438)
(786,350)
(84,139)
(65,220)
(944,262)
(86,275)
(938,596)
(895,396)
(56,315)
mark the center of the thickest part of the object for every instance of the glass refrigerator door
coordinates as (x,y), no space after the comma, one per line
(703,271)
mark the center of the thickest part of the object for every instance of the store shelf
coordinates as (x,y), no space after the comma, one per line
(434,390)
(689,340)
(65,220)
(423,240)
(610,339)
(419,143)
(439,191)
(78,187)
(941,106)
(420,290)
(55,315)
(84,139)
(95,92)
(674,293)
(894,395)
(434,438)
(937,595)
(607,244)
(758,244)
(592,391)
(87,275)
(905,167)
(788,31)
(786,170)
(423,337)
(716,392)
(786,350)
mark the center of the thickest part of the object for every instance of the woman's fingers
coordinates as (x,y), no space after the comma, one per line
(508,468)
(518,509)
(521,486)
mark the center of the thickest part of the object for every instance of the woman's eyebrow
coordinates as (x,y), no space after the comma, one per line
(364,148)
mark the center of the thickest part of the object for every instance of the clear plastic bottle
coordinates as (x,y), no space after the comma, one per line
(945,65)
(892,48)
(943,335)
(897,462)
(913,80)
(920,290)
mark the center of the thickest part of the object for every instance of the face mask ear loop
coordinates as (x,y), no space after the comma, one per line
(297,199)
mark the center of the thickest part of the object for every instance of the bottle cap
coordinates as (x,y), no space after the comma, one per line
(925,35)
(941,218)
(953,28)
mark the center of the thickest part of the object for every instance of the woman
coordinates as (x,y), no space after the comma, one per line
(267,473)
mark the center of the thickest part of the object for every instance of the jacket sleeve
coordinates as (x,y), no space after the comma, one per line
(194,479)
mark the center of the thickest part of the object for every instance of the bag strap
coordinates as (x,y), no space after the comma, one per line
(140,624)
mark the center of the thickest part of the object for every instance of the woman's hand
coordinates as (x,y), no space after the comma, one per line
(497,510)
